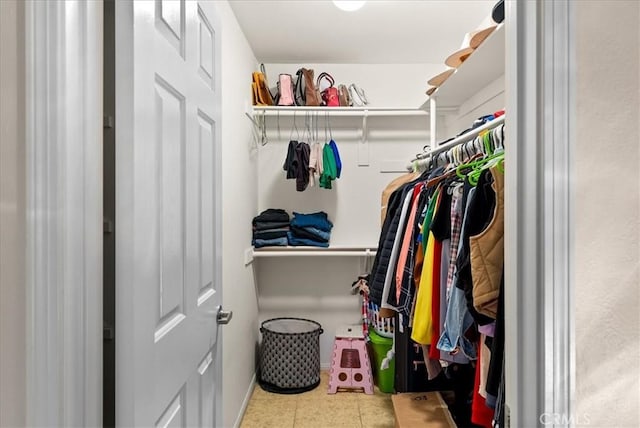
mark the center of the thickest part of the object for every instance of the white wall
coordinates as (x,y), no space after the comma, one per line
(239,206)
(485,101)
(385,85)
(317,288)
(12,218)
(607,214)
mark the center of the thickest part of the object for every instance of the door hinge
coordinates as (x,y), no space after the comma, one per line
(108,333)
(107,122)
(507,417)
(107,226)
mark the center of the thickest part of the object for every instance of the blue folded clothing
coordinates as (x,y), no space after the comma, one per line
(318,220)
(276,242)
(312,233)
(297,242)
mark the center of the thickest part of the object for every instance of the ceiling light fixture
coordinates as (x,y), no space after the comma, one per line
(349,5)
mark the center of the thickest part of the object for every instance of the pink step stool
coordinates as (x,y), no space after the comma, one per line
(350,367)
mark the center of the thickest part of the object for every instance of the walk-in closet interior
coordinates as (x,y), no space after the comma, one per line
(389,146)
(320,213)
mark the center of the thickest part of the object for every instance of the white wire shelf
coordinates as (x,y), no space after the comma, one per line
(333,251)
(340,111)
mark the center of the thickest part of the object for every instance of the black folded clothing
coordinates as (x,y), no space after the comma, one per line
(271,234)
(272,215)
(269,225)
(302,232)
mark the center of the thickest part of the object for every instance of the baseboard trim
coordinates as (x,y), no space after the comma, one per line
(245,402)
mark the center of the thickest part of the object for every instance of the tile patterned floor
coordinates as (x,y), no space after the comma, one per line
(317,409)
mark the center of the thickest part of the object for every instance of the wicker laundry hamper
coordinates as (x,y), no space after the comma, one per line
(290,355)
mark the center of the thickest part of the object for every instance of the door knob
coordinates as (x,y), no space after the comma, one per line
(224,317)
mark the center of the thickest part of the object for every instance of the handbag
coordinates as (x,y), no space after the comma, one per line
(285,90)
(260,88)
(330,95)
(343,95)
(357,95)
(298,89)
(305,89)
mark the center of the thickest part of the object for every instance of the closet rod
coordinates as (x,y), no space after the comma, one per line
(459,140)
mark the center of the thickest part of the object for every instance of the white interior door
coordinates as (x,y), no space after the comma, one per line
(167,222)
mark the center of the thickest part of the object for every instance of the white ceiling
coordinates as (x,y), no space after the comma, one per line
(382,32)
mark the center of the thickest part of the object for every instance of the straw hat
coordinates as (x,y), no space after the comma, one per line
(439,79)
(471,41)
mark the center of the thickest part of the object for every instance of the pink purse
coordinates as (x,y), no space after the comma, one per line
(330,95)
(285,90)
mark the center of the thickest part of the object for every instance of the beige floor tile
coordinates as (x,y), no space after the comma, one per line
(376,412)
(327,414)
(317,409)
(261,394)
(275,413)
(320,393)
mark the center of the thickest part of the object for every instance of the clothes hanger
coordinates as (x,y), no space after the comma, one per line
(482,165)
(330,130)
(278,124)
(294,127)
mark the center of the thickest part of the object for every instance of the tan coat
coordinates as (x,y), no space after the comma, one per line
(487,254)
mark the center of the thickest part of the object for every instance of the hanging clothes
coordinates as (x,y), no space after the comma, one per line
(296,164)
(330,169)
(439,266)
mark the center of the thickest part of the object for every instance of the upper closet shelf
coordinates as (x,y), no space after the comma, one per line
(485,65)
(339,111)
(336,251)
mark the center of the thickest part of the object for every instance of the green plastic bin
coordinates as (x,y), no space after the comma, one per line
(380,346)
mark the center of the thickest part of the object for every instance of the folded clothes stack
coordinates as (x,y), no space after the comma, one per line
(310,230)
(270,228)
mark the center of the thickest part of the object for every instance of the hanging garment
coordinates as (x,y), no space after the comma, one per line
(487,252)
(455,357)
(336,156)
(458,318)
(387,237)
(422,320)
(315,163)
(406,299)
(386,243)
(480,413)
(393,257)
(476,217)
(330,171)
(456,226)
(290,162)
(484,361)
(441,229)
(435,300)
(406,240)
(302,166)
(496,365)
(392,187)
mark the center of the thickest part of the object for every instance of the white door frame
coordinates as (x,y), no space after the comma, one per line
(539,346)
(63,107)
(63,53)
